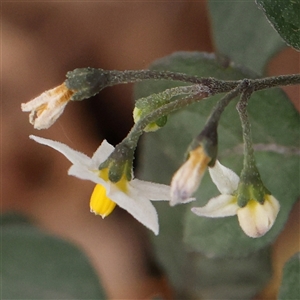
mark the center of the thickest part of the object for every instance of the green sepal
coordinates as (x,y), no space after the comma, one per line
(119,163)
(250,186)
(86,82)
(118,169)
(248,191)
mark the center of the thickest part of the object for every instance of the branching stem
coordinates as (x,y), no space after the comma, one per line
(206,87)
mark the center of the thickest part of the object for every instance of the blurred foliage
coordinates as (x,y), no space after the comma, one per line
(35,265)
(241,31)
(285,17)
(290,287)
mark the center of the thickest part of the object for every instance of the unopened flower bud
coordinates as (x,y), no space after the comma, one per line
(256,219)
(188,177)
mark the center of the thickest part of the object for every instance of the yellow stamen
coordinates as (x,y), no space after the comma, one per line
(100,204)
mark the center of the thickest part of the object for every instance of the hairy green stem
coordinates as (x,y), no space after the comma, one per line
(222,104)
(246,126)
(275,81)
(122,77)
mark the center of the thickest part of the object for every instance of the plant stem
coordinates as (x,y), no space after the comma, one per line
(207,87)
(275,81)
(222,104)
(246,126)
(122,77)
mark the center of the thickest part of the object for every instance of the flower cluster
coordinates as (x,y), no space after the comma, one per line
(111,168)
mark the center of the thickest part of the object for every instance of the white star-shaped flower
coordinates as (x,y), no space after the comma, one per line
(132,196)
(255,218)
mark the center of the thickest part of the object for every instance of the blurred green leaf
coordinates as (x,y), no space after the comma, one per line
(290,288)
(229,278)
(241,32)
(169,249)
(285,18)
(275,125)
(35,265)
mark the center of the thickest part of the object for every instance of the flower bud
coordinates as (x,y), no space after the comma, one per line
(188,177)
(256,219)
(138,114)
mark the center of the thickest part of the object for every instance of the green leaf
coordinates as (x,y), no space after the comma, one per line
(35,265)
(241,32)
(285,18)
(290,288)
(275,126)
(229,278)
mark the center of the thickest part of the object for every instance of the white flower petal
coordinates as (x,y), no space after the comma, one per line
(30,105)
(272,207)
(138,206)
(83,173)
(225,179)
(253,221)
(102,153)
(73,156)
(221,206)
(151,190)
(48,117)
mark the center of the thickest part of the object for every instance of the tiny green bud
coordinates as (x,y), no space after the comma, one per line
(138,114)
(147,105)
